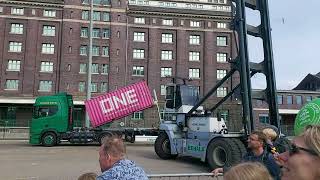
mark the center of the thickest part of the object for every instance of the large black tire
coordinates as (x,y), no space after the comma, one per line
(49,139)
(162,147)
(223,152)
(241,146)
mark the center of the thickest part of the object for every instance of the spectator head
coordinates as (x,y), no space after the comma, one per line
(111,151)
(248,171)
(88,176)
(256,140)
(270,134)
(302,161)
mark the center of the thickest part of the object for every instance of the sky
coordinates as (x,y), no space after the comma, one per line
(296,41)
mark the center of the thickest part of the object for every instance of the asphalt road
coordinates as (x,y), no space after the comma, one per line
(21,161)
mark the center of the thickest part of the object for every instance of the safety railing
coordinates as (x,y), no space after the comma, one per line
(8,131)
(185,176)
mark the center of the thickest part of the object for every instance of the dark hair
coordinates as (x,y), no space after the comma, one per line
(261,136)
(113,145)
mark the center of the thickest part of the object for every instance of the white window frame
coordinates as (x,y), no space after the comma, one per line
(138,71)
(12,84)
(166,38)
(83,68)
(166,55)
(105,51)
(167,22)
(83,50)
(138,36)
(13,65)
(222,57)
(222,41)
(105,16)
(16,28)
(221,73)
(105,33)
(139,20)
(84,32)
(137,115)
(15,46)
(95,50)
(82,86)
(49,13)
(222,91)
(17,11)
(104,69)
(221,25)
(166,72)
(46,66)
(85,15)
(163,90)
(94,87)
(194,39)
(95,33)
(194,56)
(103,87)
(45,86)
(47,48)
(95,68)
(194,73)
(138,53)
(48,30)
(195,23)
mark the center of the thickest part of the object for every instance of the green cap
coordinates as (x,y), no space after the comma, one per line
(308,114)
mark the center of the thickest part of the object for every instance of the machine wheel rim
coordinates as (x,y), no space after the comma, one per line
(220,156)
(48,139)
(166,146)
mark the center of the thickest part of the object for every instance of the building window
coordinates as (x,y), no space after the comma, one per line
(105,16)
(309,98)
(94,87)
(105,33)
(221,41)
(49,13)
(195,24)
(104,87)
(138,53)
(194,73)
(163,90)
(17,11)
(95,32)
(138,36)
(83,68)
(166,38)
(221,73)
(280,99)
(83,50)
(82,86)
(47,48)
(45,86)
(264,118)
(221,57)
(194,56)
(139,20)
(12,84)
(49,31)
(105,2)
(85,15)
(46,66)
(13,65)
(289,100)
(222,92)
(105,51)
(221,25)
(104,69)
(15,46)
(138,71)
(166,55)
(16,28)
(137,115)
(96,16)
(95,50)
(95,68)
(194,39)
(84,32)
(166,72)
(299,100)
(167,22)
(224,114)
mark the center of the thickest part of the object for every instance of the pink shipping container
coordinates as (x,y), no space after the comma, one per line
(118,104)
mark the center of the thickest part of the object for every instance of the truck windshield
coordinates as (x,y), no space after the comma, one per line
(189,95)
(44,111)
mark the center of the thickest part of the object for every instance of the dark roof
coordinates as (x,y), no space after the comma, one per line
(309,78)
(318,75)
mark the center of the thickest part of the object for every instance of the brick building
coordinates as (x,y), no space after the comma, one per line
(44,50)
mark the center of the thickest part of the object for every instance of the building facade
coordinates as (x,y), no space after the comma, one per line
(45,51)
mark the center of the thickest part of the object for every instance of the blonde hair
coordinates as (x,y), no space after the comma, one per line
(270,133)
(113,145)
(248,171)
(311,137)
(88,176)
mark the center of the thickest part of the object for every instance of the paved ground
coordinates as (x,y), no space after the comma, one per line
(19,160)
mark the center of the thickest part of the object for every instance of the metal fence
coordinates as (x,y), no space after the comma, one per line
(7,131)
(187,176)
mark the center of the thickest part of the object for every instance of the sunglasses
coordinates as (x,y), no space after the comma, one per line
(293,149)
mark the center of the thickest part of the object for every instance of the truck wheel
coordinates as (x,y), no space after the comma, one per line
(49,139)
(162,147)
(223,152)
(241,146)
